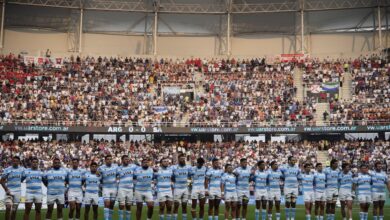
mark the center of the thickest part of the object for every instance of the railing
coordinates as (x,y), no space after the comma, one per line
(191,124)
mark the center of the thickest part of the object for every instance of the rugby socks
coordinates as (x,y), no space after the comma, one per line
(169,217)
(292,213)
(120,214)
(210,217)
(257,214)
(381,217)
(110,213)
(361,215)
(264,214)
(184,216)
(215,217)
(128,215)
(106,214)
(375,217)
(278,216)
(287,213)
(269,216)
(321,217)
(161,217)
(366,215)
(174,216)
(308,217)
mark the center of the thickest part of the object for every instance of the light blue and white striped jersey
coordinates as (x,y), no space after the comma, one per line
(215,177)
(143,179)
(126,176)
(379,181)
(163,179)
(307,180)
(345,180)
(108,174)
(243,175)
(14,178)
(290,176)
(75,178)
(363,182)
(332,178)
(260,179)
(319,182)
(229,181)
(56,179)
(33,181)
(274,179)
(180,176)
(92,182)
(198,177)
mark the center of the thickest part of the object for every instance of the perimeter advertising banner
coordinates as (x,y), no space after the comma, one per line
(194,130)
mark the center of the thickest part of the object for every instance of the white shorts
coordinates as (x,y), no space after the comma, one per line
(261,194)
(33,198)
(109,194)
(364,198)
(164,196)
(13,199)
(143,196)
(290,194)
(332,194)
(198,193)
(274,195)
(308,196)
(214,194)
(180,195)
(125,196)
(243,195)
(320,196)
(231,197)
(58,199)
(345,195)
(378,196)
(91,199)
(75,196)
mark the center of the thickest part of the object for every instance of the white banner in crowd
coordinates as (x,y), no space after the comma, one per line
(55,61)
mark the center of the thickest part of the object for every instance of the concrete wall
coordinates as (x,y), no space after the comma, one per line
(342,45)
(187,46)
(268,45)
(112,45)
(35,43)
(322,45)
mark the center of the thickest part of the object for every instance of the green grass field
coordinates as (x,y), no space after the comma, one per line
(300,213)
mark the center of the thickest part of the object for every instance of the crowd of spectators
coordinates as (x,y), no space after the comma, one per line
(128,91)
(355,151)
(124,91)
(318,71)
(90,92)
(264,96)
(361,151)
(370,102)
(228,152)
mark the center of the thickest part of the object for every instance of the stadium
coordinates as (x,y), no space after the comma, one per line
(195,109)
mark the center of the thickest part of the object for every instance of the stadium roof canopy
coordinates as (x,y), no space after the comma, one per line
(197,17)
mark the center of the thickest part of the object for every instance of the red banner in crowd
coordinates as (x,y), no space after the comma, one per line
(292,57)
